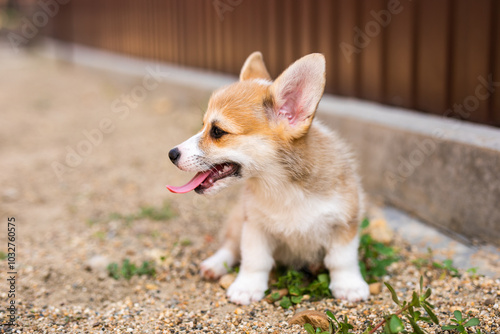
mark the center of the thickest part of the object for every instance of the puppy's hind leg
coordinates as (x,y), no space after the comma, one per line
(346,281)
(229,253)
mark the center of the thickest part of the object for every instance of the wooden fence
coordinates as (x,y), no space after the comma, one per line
(436,56)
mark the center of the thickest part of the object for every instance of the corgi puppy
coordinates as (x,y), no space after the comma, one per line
(302,199)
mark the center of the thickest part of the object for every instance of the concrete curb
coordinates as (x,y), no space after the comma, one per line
(484,258)
(444,171)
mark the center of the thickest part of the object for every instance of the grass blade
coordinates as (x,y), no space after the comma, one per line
(309,328)
(431,314)
(393,293)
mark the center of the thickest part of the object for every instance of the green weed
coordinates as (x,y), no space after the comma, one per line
(375,257)
(300,284)
(128,269)
(335,326)
(461,323)
(473,272)
(186,242)
(91,222)
(163,213)
(230,270)
(410,314)
(101,235)
(445,268)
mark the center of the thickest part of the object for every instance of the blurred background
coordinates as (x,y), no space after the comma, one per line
(424,55)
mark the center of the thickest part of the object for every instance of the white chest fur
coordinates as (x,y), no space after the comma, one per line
(299,226)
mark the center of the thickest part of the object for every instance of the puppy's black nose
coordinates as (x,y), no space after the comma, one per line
(174,154)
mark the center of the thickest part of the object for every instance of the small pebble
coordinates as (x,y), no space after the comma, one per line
(375,288)
(380,231)
(226,280)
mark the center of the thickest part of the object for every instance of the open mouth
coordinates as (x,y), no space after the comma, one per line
(205,180)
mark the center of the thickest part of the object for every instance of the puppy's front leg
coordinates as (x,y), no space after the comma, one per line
(256,263)
(229,254)
(346,281)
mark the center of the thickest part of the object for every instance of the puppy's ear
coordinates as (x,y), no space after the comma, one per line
(296,94)
(254,68)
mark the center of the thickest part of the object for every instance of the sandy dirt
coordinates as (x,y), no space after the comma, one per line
(78,151)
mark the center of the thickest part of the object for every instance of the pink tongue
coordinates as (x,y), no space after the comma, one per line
(195,182)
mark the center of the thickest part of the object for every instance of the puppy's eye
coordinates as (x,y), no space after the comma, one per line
(216,132)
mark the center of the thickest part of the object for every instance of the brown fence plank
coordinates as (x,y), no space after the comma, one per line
(259,33)
(164,25)
(103,31)
(371,56)
(154,36)
(149,47)
(200,26)
(251,38)
(85,31)
(218,38)
(433,56)
(471,56)
(259,30)
(327,39)
(495,64)
(233,27)
(288,32)
(273,54)
(227,43)
(175,31)
(348,61)
(399,55)
(186,20)
(208,34)
(131,32)
(183,31)
(305,35)
(196,26)
(170,40)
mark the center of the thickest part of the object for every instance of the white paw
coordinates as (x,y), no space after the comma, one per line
(248,288)
(350,289)
(216,265)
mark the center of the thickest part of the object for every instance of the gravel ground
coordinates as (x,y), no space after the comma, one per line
(69,228)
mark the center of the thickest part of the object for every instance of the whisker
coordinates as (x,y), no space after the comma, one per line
(202,161)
